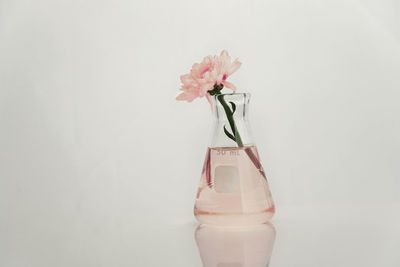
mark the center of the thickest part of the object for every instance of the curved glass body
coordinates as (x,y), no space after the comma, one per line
(233,188)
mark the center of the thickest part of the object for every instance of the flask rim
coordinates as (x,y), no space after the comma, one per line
(232,97)
(234,94)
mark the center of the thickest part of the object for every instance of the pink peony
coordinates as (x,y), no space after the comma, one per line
(213,70)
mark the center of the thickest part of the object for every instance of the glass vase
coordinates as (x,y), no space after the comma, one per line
(233,188)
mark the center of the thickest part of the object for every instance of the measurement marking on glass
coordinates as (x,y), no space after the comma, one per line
(234,153)
(231,153)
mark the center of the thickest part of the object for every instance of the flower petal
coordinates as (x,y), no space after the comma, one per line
(229,85)
(185,78)
(234,66)
(224,54)
(181,97)
(209,100)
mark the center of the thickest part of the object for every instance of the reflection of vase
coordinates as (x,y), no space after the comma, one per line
(235,247)
(233,188)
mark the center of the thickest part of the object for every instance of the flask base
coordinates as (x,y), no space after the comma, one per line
(234,219)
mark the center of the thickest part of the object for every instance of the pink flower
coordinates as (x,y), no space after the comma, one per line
(202,77)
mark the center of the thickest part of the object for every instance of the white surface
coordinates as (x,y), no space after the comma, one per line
(99,163)
(305,236)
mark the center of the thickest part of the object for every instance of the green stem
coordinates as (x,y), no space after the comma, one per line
(232,124)
(235,132)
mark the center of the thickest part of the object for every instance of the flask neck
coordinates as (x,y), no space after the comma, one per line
(231,124)
(238,104)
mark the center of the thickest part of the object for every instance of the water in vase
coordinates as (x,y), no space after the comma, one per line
(233,190)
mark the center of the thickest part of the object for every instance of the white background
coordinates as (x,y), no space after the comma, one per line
(92,140)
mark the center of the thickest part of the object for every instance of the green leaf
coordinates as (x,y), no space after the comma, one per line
(233,107)
(229,134)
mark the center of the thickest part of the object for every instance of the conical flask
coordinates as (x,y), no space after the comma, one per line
(233,188)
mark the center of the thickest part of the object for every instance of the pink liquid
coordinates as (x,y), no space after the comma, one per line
(233,188)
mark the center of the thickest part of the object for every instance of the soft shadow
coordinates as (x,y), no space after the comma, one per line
(235,247)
